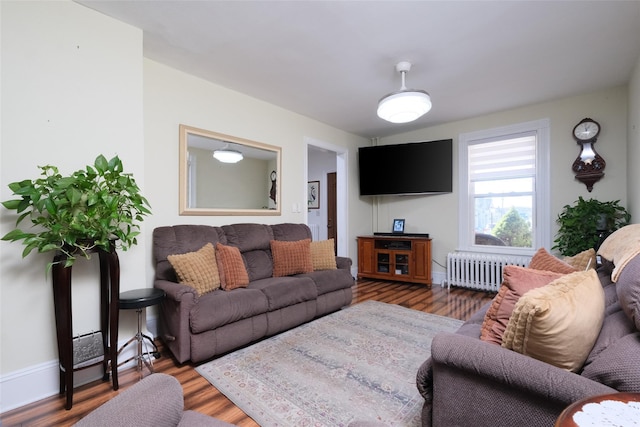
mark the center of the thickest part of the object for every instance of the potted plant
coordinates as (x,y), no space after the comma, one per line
(585,224)
(96,208)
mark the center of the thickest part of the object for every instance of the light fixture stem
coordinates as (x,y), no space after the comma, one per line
(404,87)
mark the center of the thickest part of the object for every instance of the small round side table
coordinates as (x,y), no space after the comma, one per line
(612,412)
(139,299)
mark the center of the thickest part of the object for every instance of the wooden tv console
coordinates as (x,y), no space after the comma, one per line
(403,258)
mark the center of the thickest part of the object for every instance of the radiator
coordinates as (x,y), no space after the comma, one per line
(315,231)
(479,271)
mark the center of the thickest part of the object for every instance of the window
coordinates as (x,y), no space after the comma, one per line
(504,189)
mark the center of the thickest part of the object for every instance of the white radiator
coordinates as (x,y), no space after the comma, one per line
(315,231)
(479,271)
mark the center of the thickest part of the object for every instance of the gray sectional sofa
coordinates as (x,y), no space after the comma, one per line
(468,381)
(197,327)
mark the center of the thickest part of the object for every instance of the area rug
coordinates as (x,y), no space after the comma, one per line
(358,364)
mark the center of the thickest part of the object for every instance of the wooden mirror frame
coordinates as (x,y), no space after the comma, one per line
(244,145)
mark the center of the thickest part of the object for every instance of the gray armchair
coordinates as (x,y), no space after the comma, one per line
(156,401)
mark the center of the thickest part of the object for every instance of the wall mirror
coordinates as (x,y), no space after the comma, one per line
(246,184)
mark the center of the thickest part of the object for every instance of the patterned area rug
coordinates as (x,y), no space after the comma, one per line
(358,364)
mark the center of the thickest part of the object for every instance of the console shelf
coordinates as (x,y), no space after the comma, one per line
(397,258)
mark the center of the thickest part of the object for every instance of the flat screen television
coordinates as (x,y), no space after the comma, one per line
(405,169)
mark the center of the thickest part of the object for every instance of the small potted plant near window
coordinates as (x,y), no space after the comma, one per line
(586,223)
(96,208)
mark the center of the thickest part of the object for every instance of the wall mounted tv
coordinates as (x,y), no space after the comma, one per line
(405,169)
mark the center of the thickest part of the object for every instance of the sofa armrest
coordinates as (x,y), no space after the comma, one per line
(344,263)
(174,317)
(156,401)
(478,358)
(175,291)
(471,382)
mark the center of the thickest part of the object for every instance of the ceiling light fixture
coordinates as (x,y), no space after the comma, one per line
(225,155)
(405,105)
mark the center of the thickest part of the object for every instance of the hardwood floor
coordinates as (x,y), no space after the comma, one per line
(201,396)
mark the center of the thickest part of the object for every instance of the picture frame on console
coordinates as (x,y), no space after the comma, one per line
(398,226)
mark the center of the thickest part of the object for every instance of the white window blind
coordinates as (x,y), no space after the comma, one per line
(511,158)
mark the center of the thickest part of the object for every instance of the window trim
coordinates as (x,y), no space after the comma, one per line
(542,218)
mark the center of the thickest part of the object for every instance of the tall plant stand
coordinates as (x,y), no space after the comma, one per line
(109,292)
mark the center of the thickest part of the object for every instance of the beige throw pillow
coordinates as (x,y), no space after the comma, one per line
(197,269)
(558,323)
(323,256)
(583,260)
(516,282)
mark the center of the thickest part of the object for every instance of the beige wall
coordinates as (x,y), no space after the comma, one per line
(438,215)
(71,89)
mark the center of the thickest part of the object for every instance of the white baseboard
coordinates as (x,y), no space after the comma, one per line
(40,381)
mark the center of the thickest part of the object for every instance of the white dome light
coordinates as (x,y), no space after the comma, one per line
(405,105)
(227,156)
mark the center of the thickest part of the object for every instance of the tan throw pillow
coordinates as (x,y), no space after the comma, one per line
(516,282)
(583,260)
(620,247)
(543,260)
(558,323)
(197,269)
(233,273)
(323,256)
(291,257)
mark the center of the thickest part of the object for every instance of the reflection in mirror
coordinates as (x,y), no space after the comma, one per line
(209,186)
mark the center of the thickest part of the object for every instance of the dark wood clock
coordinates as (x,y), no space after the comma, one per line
(589,165)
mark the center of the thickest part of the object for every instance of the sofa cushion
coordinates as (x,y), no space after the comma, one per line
(330,280)
(291,232)
(291,257)
(583,260)
(259,264)
(286,291)
(323,256)
(516,282)
(617,365)
(615,326)
(543,260)
(558,323)
(220,308)
(620,247)
(233,273)
(628,290)
(197,269)
(248,237)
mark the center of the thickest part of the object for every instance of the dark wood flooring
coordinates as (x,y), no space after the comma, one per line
(201,396)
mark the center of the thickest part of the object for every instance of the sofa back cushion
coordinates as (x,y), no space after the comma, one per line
(181,239)
(628,289)
(253,242)
(291,232)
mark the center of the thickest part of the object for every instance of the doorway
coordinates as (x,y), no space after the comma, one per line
(327,164)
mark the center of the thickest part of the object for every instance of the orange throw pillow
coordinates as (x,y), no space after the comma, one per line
(517,281)
(543,260)
(233,273)
(291,257)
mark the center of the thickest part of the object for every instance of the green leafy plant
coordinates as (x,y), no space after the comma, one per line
(98,207)
(583,225)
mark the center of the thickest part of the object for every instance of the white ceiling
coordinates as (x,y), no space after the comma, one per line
(333,60)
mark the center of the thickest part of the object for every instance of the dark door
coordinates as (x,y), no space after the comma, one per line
(332,217)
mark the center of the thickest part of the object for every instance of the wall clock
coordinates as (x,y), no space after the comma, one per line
(589,165)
